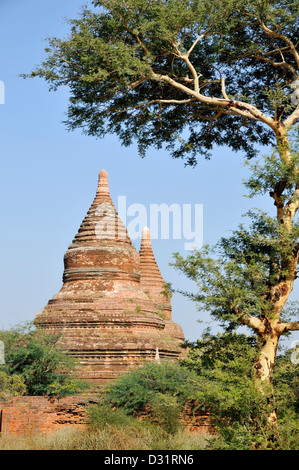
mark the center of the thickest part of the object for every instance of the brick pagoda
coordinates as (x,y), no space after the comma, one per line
(112,311)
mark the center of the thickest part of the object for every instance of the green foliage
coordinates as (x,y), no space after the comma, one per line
(273,172)
(286,382)
(224,363)
(166,411)
(118,53)
(286,387)
(167,290)
(105,418)
(229,351)
(217,375)
(162,389)
(33,355)
(102,416)
(234,279)
(137,389)
(11,385)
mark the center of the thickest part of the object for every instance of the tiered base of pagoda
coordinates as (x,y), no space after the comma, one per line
(108,342)
(99,366)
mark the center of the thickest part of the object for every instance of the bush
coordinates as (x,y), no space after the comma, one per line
(33,355)
(103,416)
(166,410)
(137,389)
(224,365)
(160,389)
(11,386)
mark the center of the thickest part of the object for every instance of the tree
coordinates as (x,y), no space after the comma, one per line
(191,74)
(219,72)
(33,360)
(227,388)
(246,278)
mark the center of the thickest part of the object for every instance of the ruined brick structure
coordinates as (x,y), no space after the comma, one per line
(30,415)
(112,311)
(26,415)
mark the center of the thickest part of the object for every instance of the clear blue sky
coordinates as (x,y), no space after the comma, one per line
(48,176)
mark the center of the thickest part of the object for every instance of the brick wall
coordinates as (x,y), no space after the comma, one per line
(24,415)
(42,414)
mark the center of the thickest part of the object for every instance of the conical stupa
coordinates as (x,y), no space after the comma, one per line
(107,315)
(151,280)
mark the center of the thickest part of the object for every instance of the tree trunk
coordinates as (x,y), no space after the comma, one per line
(264,369)
(266,360)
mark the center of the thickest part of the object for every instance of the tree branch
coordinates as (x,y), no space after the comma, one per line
(273,34)
(290,120)
(223,88)
(239,107)
(283,64)
(248,320)
(194,44)
(285,327)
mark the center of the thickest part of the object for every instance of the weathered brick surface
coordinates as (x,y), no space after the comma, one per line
(151,280)
(25,415)
(31,414)
(110,310)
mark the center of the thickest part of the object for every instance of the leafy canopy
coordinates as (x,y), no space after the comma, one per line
(236,278)
(188,74)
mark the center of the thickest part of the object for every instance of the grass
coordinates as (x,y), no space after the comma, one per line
(109,433)
(111,438)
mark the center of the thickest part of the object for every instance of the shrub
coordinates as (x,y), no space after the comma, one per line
(166,410)
(239,410)
(34,355)
(159,388)
(102,416)
(11,385)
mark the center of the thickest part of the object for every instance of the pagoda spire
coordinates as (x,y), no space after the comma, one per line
(103,186)
(102,223)
(151,280)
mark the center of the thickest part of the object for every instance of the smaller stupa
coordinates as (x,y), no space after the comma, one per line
(151,280)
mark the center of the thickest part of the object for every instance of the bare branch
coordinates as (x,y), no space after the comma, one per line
(137,83)
(274,34)
(292,119)
(146,104)
(194,44)
(252,322)
(285,327)
(223,88)
(240,108)
(277,64)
